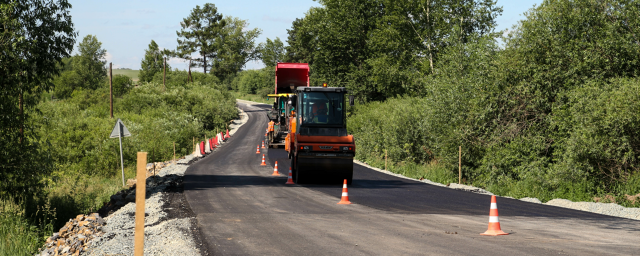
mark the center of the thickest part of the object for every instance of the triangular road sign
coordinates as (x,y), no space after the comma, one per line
(116,131)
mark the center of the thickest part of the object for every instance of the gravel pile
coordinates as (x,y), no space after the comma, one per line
(163,236)
(75,236)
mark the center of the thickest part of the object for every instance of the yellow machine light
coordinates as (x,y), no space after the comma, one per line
(324,84)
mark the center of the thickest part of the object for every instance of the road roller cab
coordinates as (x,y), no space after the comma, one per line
(318,144)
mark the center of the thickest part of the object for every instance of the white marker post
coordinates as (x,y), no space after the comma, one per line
(119,131)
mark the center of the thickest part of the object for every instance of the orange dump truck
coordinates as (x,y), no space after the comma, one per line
(289,76)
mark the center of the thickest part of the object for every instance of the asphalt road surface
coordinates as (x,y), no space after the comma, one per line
(243,210)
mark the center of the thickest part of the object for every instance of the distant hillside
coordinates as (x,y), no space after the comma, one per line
(127,72)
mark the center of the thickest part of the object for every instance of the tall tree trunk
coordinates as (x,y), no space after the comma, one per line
(190,78)
(204,62)
(429,35)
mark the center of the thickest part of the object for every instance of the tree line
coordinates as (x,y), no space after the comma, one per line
(548,105)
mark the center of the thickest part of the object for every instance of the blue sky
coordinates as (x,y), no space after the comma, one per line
(126,28)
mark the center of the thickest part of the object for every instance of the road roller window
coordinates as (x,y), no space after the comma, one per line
(322,108)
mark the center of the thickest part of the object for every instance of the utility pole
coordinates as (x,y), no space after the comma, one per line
(111,88)
(164,76)
(20,103)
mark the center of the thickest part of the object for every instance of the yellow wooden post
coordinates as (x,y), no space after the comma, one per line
(140,196)
(459,164)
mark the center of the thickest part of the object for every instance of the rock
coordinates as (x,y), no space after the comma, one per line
(74,236)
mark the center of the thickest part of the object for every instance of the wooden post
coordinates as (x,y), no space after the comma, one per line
(111,88)
(164,75)
(459,164)
(174,151)
(20,103)
(140,196)
(194,144)
(385,159)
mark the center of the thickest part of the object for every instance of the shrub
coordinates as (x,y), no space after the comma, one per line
(121,85)
(66,83)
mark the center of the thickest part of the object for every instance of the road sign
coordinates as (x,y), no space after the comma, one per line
(116,130)
(119,131)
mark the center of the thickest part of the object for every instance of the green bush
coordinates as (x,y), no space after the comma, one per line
(251,81)
(78,128)
(177,78)
(121,85)
(66,83)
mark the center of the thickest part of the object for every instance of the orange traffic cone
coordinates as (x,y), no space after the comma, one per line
(275,170)
(258,149)
(263,144)
(345,194)
(227,136)
(290,179)
(494,222)
(263,162)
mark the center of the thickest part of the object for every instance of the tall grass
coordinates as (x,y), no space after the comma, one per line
(21,234)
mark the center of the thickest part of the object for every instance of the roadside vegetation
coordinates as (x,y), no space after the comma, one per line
(57,158)
(546,109)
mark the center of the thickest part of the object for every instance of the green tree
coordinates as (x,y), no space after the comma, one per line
(300,41)
(35,35)
(201,32)
(90,63)
(383,48)
(66,83)
(152,63)
(272,52)
(560,48)
(121,84)
(235,48)
(253,81)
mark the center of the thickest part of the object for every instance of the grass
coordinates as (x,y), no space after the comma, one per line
(127,72)
(18,233)
(24,229)
(432,171)
(251,97)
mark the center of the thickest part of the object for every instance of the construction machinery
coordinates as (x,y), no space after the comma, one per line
(288,77)
(316,138)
